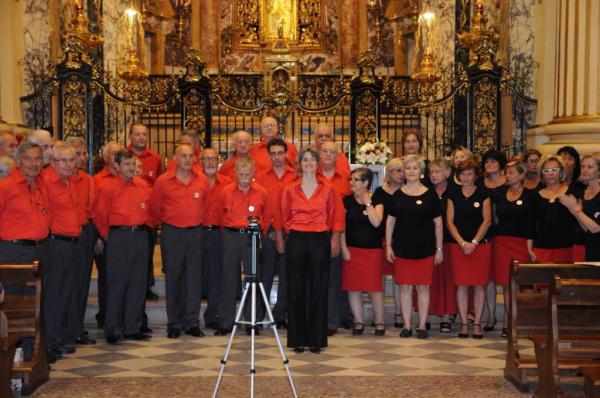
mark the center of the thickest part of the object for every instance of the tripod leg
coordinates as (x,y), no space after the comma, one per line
(238,316)
(252,338)
(277,338)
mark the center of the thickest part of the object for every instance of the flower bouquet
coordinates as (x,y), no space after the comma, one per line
(373,153)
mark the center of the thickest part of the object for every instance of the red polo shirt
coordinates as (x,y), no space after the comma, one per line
(213,213)
(179,204)
(228,167)
(314,214)
(103,176)
(236,206)
(121,202)
(85,188)
(339,182)
(152,165)
(24,212)
(262,159)
(64,204)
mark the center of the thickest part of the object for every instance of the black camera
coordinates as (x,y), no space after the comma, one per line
(253,223)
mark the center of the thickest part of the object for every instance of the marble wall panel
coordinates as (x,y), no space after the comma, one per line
(520,50)
(36,38)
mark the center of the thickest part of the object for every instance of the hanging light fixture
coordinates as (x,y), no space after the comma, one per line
(132,64)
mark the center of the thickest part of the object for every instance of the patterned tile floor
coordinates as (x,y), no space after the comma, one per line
(346,355)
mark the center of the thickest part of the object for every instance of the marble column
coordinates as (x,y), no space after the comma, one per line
(569,85)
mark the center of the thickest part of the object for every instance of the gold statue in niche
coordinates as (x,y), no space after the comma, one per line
(280,19)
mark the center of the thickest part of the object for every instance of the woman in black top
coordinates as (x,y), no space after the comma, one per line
(361,250)
(469,216)
(531,158)
(553,241)
(412,144)
(514,210)
(587,211)
(572,163)
(414,242)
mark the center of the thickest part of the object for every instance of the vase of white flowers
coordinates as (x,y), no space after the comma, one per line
(371,153)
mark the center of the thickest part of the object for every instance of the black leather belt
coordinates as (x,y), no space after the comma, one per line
(240,230)
(211,227)
(129,227)
(27,242)
(72,239)
(176,227)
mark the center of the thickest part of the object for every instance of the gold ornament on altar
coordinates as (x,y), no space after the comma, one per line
(132,65)
(482,41)
(79,28)
(426,71)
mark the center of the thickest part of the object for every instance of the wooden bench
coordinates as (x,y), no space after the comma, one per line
(591,380)
(23,312)
(527,311)
(572,338)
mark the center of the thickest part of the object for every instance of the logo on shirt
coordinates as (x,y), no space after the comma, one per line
(597,214)
(519,202)
(196,195)
(419,202)
(150,173)
(552,200)
(476,205)
(143,205)
(250,208)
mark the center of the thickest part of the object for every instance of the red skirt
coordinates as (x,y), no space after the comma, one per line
(442,294)
(387,268)
(473,269)
(409,271)
(363,272)
(579,253)
(506,249)
(564,254)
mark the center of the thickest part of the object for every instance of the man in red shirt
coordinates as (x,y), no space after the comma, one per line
(44,139)
(269,129)
(189,137)
(238,201)
(8,143)
(178,202)
(324,133)
(242,141)
(60,265)
(84,187)
(108,173)
(338,306)
(152,167)
(212,253)
(274,181)
(121,215)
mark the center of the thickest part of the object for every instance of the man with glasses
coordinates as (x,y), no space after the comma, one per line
(269,129)
(338,306)
(242,141)
(274,180)
(211,250)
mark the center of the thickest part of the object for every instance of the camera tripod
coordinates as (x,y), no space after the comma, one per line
(251,284)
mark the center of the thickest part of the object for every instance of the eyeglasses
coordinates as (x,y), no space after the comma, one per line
(533,161)
(551,170)
(352,179)
(209,159)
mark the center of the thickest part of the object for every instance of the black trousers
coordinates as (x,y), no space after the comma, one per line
(272,263)
(59,275)
(151,245)
(13,253)
(338,306)
(126,274)
(308,256)
(82,269)
(181,251)
(212,263)
(100,261)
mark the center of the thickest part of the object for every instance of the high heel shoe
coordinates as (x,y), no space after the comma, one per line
(487,328)
(381,330)
(358,328)
(397,324)
(463,327)
(479,335)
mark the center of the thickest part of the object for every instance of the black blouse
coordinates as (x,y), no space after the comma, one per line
(414,231)
(381,196)
(555,225)
(516,218)
(359,230)
(591,208)
(468,212)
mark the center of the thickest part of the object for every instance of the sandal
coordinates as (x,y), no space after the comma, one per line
(380,329)
(479,335)
(464,331)
(397,324)
(445,327)
(358,328)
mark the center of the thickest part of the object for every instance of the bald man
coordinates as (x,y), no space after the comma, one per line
(242,141)
(324,133)
(269,129)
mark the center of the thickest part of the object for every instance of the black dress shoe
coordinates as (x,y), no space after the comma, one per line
(85,340)
(52,355)
(150,295)
(397,324)
(281,324)
(347,324)
(406,333)
(222,332)
(331,332)
(195,331)
(212,325)
(64,349)
(422,334)
(298,350)
(112,339)
(173,333)
(504,333)
(315,350)
(145,329)
(137,336)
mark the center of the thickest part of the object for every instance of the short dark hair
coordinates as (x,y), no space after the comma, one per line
(468,164)
(277,142)
(530,152)
(123,154)
(365,174)
(494,155)
(569,150)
